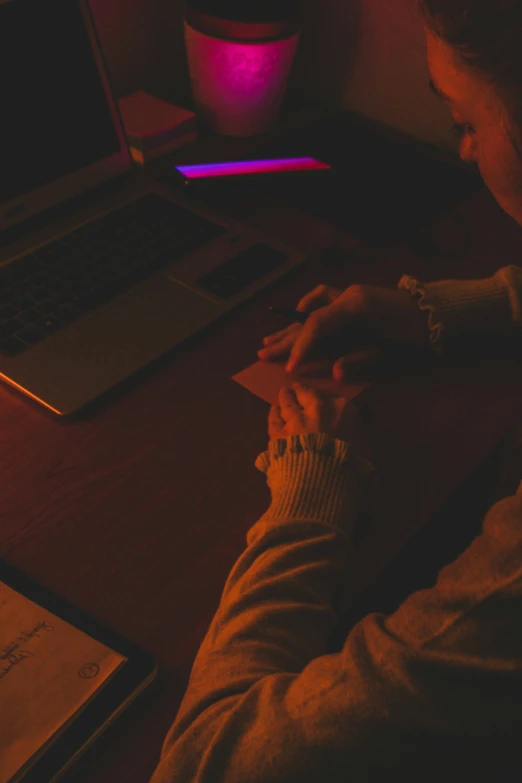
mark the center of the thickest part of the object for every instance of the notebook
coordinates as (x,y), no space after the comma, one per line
(63,679)
(102,270)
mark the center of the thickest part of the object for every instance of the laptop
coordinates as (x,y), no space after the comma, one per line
(101,270)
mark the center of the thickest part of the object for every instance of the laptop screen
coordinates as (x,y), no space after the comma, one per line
(56,117)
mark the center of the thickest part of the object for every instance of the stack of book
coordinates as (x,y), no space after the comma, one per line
(155,127)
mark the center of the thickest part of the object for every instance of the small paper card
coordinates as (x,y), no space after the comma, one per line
(266,379)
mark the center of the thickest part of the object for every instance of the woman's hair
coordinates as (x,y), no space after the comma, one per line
(487,35)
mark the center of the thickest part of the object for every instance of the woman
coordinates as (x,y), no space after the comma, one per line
(434,691)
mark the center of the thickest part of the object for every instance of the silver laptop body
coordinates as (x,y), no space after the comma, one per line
(64,138)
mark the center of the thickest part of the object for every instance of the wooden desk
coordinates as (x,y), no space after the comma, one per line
(138,512)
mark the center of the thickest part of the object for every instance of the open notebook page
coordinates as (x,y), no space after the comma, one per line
(49,670)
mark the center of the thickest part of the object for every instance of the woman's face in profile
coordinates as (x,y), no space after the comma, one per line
(487,136)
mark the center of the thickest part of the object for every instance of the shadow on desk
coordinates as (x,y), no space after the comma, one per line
(454,526)
(388,185)
(448,534)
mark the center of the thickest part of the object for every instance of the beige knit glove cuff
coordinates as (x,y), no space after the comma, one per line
(458,307)
(315,477)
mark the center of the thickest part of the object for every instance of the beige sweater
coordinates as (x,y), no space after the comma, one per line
(431,693)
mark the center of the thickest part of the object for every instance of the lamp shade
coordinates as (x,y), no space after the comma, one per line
(253,11)
(251,21)
(240,56)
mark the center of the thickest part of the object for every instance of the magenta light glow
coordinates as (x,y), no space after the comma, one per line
(273,165)
(238,87)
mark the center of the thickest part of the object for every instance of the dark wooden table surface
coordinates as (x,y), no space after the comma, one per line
(137,512)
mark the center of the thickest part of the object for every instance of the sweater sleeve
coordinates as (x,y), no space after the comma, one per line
(462,307)
(438,681)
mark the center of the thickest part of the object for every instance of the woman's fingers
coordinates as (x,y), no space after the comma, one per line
(279,344)
(277,350)
(301,410)
(274,414)
(282,334)
(289,404)
(356,365)
(276,423)
(307,410)
(319,297)
(328,407)
(322,323)
(306,396)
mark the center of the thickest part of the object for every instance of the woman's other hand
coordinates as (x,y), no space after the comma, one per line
(356,322)
(301,410)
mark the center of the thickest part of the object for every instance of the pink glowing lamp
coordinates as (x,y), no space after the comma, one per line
(238,84)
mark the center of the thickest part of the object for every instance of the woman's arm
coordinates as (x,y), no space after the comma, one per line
(441,677)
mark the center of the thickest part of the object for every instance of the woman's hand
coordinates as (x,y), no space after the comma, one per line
(354,324)
(301,410)
(279,344)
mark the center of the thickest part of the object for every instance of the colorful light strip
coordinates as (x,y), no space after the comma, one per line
(270,166)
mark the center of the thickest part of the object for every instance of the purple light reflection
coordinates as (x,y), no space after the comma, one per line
(272,165)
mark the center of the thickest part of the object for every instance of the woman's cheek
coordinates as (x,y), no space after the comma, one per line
(501,170)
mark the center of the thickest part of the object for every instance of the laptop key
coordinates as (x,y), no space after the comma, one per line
(79,289)
(38,279)
(30,264)
(24,303)
(39,315)
(29,317)
(21,287)
(46,308)
(39,331)
(55,284)
(67,314)
(51,325)
(12,347)
(10,328)
(61,299)
(8,312)
(91,282)
(31,335)
(11,274)
(41,294)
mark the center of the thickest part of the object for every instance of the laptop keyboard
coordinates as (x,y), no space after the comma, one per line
(56,285)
